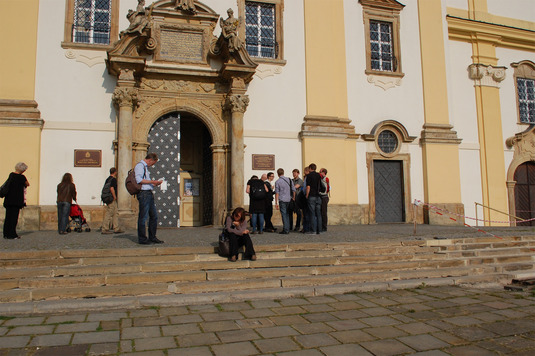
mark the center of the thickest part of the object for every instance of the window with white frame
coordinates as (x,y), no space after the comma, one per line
(526,100)
(260,29)
(92,21)
(381,46)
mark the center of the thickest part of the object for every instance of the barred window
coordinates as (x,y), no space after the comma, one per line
(92,21)
(260,30)
(381,45)
(526,99)
(387,141)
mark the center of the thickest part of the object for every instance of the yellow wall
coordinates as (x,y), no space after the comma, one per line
(339,159)
(325,58)
(21,144)
(18,26)
(442,182)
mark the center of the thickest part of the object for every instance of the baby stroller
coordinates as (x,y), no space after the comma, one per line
(78,222)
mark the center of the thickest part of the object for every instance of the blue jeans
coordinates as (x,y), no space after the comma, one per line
(256,217)
(314,207)
(147,209)
(283,207)
(64,209)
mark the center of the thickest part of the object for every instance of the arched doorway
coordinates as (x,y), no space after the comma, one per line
(525,193)
(182,143)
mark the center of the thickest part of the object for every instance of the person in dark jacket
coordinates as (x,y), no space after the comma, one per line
(238,234)
(66,195)
(14,200)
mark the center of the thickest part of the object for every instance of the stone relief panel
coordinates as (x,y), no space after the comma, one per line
(179,86)
(264,71)
(384,82)
(89,58)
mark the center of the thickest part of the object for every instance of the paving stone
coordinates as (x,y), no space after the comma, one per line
(430,353)
(499,305)
(385,302)
(288,320)
(449,338)
(321,299)
(103,349)
(494,346)
(191,351)
(126,346)
(110,325)
(25,321)
(140,332)
(254,323)
(423,342)
(51,340)
(205,308)
(379,311)
(59,319)
(239,306)
(346,297)
(3,330)
(348,324)
(471,333)
(319,317)
(511,327)
(155,343)
(185,319)
(73,350)
(77,327)
(264,304)
(316,340)
(349,314)
(386,347)
(345,305)
(144,313)
(488,317)
(292,302)
(469,350)
(417,328)
(106,316)
(163,320)
(96,337)
(288,310)
(197,339)
(439,324)
(312,328)
(127,323)
(463,300)
(510,313)
(385,332)
(351,336)
(31,330)
(11,342)
(232,336)
(462,321)
(402,318)
(276,331)
(276,345)
(147,353)
(301,353)
(222,316)
(345,350)
(257,313)
(235,349)
(317,308)
(218,325)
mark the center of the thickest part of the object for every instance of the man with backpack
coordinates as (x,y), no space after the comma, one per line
(110,224)
(314,199)
(284,193)
(147,208)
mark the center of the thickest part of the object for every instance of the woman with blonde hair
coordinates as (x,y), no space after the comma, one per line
(14,200)
(66,194)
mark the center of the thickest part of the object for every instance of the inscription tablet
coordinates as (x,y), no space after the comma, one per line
(180,46)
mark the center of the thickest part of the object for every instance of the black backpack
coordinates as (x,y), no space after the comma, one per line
(106,195)
(258,193)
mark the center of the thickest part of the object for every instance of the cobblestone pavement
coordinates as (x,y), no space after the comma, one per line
(424,321)
(207,236)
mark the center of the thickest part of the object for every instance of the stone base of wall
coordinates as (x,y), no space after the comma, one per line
(431,218)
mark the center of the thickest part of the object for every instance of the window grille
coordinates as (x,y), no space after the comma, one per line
(387,141)
(381,43)
(526,99)
(260,33)
(92,21)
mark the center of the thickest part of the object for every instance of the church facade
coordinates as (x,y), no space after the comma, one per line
(427,101)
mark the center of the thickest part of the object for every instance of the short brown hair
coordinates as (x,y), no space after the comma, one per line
(152,156)
(280,172)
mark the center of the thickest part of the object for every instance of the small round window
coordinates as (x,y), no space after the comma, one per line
(387,141)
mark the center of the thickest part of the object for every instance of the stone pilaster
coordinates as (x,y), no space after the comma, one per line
(125,98)
(237,104)
(219,175)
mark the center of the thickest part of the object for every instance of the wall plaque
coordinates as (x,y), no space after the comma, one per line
(181,45)
(263,162)
(87,158)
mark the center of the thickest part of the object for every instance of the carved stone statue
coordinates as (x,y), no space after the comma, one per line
(229,30)
(186,5)
(139,19)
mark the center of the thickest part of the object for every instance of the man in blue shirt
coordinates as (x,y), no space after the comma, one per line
(147,208)
(284,192)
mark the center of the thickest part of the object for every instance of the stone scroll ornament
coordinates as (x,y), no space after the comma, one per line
(237,103)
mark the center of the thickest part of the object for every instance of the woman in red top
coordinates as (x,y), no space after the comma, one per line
(238,233)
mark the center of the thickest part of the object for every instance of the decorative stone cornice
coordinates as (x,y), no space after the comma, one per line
(389,125)
(125,97)
(20,113)
(439,133)
(237,103)
(384,82)
(486,75)
(327,126)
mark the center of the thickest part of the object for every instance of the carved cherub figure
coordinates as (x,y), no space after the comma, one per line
(229,29)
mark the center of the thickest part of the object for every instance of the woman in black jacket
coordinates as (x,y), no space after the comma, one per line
(14,200)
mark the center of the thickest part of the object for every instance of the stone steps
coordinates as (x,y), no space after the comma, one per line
(67,274)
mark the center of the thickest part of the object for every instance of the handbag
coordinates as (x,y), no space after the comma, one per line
(4,189)
(224,246)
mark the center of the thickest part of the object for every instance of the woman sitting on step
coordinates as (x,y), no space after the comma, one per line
(238,234)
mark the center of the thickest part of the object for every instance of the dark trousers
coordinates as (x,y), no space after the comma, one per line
(314,207)
(298,214)
(10,222)
(147,210)
(267,216)
(324,202)
(64,210)
(237,241)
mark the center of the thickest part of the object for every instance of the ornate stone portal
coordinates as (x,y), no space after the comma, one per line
(169,60)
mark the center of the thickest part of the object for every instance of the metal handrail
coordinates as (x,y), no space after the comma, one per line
(496,210)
